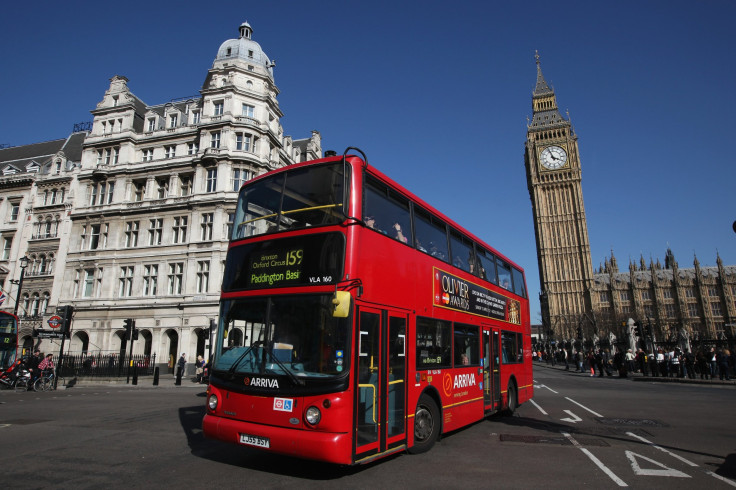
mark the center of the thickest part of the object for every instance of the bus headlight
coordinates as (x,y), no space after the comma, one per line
(313,415)
(212,402)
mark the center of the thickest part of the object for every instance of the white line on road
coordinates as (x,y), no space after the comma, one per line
(725,480)
(676,456)
(597,461)
(584,407)
(572,420)
(538,407)
(550,389)
(662,471)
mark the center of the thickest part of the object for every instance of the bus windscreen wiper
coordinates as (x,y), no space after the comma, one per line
(291,375)
(239,359)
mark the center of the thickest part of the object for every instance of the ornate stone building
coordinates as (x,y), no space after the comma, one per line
(670,303)
(149,204)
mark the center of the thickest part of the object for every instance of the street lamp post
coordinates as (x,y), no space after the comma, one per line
(23,264)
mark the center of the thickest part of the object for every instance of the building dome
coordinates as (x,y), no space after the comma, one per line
(245,49)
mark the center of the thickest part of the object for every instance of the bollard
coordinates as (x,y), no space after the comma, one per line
(155,376)
(178,376)
(135,374)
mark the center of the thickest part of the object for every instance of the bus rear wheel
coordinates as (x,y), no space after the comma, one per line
(426,425)
(513,402)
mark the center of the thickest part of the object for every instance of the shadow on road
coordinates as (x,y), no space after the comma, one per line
(254,459)
(727,469)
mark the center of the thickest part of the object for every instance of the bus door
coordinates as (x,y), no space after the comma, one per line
(491,373)
(380,414)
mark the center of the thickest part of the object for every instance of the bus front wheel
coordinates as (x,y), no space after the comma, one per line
(426,425)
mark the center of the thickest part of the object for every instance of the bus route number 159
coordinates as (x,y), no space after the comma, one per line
(294,257)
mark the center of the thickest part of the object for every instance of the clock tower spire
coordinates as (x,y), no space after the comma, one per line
(554,180)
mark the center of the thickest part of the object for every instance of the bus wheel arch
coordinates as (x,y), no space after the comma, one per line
(512,397)
(427,422)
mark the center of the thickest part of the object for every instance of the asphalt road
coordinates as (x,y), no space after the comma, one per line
(579,431)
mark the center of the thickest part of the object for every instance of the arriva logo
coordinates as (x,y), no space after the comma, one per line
(261,382)
(464,381)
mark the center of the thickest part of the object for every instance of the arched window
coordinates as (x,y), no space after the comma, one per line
(36,305)
(45,302)
(26,305)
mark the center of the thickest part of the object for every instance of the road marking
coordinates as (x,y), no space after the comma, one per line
(597,461)
(662,449)
(725,480)
(538,407)
(585,408)
(666,471)
(2,426)
(550,389)
(574,418)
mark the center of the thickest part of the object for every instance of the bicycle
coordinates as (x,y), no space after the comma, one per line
(22,383)
(45,382)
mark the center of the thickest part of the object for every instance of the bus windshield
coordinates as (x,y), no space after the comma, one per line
(295,336)
(298,198)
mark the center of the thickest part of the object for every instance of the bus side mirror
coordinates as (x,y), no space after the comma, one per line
(341,301)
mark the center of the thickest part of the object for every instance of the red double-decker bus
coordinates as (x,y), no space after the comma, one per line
(357,321)
(8,339)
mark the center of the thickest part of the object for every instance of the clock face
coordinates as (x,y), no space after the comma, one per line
(553,157)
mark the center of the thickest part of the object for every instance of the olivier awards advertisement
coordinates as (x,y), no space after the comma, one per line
(454,293)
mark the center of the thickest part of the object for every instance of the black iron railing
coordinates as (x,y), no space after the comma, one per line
(105,365)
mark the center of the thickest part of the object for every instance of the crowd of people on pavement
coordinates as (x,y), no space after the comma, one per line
(707,363)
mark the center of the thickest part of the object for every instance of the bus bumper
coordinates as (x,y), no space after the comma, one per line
(301,443)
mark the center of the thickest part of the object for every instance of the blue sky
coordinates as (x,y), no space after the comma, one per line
(437,95)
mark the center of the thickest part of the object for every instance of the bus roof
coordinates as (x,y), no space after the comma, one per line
(398,187)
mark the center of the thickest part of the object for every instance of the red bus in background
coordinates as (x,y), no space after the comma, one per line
(8,339)
(357,321)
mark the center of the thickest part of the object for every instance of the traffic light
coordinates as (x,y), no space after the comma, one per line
(65,312)
(135,331)
(128,326)
(639,333)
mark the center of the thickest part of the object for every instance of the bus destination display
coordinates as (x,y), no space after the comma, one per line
(296,261)
(455,293)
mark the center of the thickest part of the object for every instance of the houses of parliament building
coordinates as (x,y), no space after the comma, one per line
(670,302)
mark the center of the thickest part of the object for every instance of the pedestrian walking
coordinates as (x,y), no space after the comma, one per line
(181,364)
(722,360)
(630,360)
(591,362)
(200,368)
(713,361)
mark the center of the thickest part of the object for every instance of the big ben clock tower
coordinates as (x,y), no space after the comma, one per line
(555,188)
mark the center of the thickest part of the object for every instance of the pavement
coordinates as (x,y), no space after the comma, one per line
(639,376)
(169,381)
(143,382)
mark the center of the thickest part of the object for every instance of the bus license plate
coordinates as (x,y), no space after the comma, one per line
(254,440)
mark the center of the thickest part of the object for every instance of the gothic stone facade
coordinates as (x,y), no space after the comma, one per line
(555,188)
(676,303)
